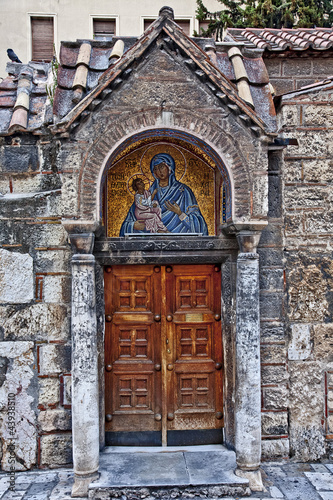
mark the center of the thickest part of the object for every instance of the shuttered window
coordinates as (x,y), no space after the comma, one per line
(104,29)
(183,23)
(42,38)
(203,25)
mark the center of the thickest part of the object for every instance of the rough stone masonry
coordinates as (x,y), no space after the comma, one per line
(51,171)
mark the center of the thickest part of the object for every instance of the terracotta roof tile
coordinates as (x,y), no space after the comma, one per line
(256,70)
(278,40)
(66,77)
(8,83)
(7,99)
(68,54)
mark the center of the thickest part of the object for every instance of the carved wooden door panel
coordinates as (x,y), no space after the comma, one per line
(194,356)
(132,350)
(163,353)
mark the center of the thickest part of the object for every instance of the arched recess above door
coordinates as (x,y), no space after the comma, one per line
(199,173)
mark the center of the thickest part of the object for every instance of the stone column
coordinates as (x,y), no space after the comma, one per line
(85,421)
(248,391)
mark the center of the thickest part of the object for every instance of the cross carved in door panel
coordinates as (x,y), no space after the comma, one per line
(194,341)
(134,342)
(133,294)
(193,293)
(134,392)
(194,391)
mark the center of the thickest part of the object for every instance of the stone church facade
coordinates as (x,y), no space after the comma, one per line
(267,163)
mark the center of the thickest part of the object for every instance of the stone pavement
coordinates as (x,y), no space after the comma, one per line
(283,480)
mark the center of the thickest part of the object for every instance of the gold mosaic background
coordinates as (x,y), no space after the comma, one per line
(190,170)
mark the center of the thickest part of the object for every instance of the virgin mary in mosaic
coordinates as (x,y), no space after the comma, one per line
(168,206)
(162,188)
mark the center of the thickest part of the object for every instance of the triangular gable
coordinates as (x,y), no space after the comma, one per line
(195,58)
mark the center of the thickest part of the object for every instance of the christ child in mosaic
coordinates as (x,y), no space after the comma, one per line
(147,210)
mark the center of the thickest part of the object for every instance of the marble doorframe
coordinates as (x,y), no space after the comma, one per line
(86,407)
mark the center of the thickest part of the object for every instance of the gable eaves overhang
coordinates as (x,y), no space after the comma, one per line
(195,58)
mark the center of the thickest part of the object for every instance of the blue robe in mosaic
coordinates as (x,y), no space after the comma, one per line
(175,192)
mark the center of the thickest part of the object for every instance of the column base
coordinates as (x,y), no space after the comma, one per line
(254,477)
(81,484)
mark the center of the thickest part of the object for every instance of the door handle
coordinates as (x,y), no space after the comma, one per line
(108,318)
(157,317)
(170,367)
(217,317)
(169,317)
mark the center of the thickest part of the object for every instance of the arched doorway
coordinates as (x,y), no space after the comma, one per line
(163,333)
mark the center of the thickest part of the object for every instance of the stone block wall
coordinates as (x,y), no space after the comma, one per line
(274,369)
(288,72)
(308,216)
(35,344)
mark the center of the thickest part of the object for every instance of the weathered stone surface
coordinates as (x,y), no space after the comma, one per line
(317,170)
(53,261)
(67,390)
(305,196)
(290,115)
(19,159)
(16,277)
(274,423)
(300,343)
(272,332)
(247,405)
(276,398)
(56,289)
(306,410)
(56,450)
(274,375)
(54,359)
(271,279)
(307,294)
(296,67)
(273,353)
(323,342)
(275,448)
(18,380)
(319,114)
(35,322)
(271,305)
(49,391)
(54,420)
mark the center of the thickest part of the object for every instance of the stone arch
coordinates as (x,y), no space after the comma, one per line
(188,126)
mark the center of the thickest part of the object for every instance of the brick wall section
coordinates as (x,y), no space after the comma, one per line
(291,71)
(308,231)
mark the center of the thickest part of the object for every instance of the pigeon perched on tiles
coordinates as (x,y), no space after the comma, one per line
(12,56)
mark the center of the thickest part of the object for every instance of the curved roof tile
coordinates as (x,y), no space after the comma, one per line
(282,39)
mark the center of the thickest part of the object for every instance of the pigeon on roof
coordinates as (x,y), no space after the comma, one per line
(12,56)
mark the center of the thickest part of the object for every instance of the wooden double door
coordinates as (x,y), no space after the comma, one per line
(163,355)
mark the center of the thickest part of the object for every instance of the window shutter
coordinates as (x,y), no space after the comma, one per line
(42,38)
(183,23)
(104,28)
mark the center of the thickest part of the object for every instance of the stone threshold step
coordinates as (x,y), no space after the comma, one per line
(168,473)
(182,493)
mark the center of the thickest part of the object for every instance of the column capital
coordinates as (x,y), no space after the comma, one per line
(247,233)
(81,235)
(248,242)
